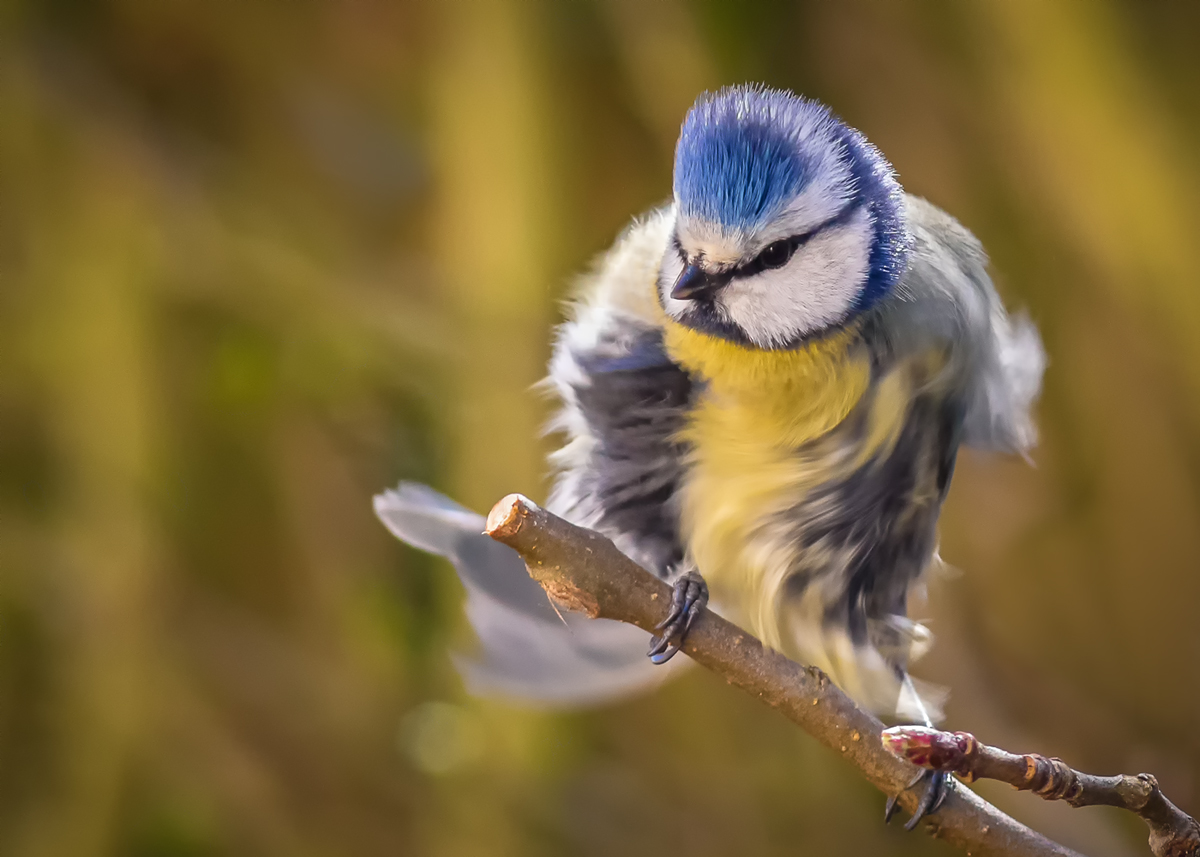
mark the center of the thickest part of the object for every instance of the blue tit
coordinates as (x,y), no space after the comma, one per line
(764,386)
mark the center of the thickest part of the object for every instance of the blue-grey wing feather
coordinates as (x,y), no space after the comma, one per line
(868,537)
(622,468)
(622,402)
(528,650)
(432,522)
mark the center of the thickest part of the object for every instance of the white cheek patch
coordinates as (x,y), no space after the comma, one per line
(816,289)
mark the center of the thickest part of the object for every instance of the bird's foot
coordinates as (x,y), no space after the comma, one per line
(688,599)
(938,784)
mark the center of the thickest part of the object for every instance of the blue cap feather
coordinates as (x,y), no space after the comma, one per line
(746,152)
(738,161)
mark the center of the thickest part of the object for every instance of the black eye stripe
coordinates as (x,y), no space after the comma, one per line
(755,266)
(776,254)
(764,261)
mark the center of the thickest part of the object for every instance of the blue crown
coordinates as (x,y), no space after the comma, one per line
(745,152)
(737,162)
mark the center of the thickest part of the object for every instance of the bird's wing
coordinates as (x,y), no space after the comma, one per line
(865,535)
(623,403)
(961,371)
(997,358)
(528,651)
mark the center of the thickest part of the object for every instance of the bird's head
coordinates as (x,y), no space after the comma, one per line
(788,222)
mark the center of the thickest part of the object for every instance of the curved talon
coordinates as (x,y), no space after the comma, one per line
(688,598)
(658,645)
(943,789)
(669,651)
(935,794)
(891,806)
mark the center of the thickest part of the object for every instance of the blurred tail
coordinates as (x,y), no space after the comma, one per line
(529,650)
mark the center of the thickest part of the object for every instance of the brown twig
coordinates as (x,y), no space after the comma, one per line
(1173,833)
(584,571)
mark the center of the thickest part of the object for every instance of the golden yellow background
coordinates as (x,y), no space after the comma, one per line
(259,260)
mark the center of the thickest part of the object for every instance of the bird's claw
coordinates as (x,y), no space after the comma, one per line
(935,793)
(688,599)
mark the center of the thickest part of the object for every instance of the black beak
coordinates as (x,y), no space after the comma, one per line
(694,283)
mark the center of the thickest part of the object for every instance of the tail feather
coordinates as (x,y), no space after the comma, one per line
(530,651)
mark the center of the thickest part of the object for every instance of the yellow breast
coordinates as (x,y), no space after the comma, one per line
(758,409)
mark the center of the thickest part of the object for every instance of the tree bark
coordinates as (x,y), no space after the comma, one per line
(1173,833)
(583,571)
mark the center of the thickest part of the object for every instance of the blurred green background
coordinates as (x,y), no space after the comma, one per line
(261,260)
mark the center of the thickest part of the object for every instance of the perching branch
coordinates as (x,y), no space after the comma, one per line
(1173,833)
(581,570)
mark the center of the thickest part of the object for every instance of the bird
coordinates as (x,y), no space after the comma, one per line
(762,391)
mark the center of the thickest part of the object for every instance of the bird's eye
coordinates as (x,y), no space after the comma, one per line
(776,255)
